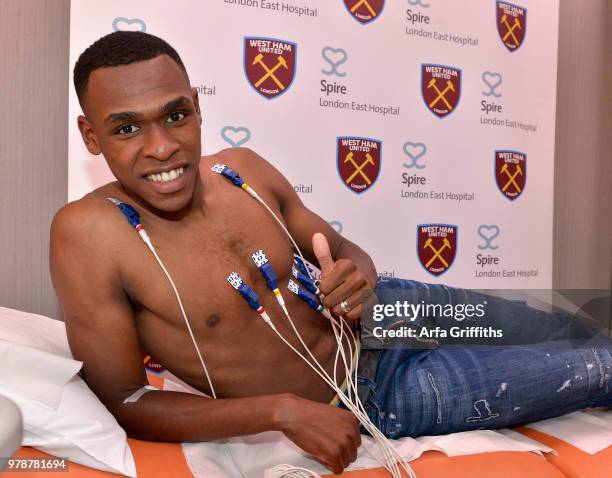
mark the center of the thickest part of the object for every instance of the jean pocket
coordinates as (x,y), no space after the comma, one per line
(366,390)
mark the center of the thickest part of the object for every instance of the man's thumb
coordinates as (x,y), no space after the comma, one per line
(321,250)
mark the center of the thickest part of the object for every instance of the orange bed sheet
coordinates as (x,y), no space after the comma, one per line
(166,460)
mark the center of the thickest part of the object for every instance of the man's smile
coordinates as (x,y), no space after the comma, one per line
(168,181)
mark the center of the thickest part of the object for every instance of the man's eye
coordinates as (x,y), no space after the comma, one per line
(127,129)
(176,116)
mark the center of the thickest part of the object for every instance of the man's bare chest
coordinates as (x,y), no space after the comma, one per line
(200,258)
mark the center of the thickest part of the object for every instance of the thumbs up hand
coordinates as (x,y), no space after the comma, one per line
(341,281)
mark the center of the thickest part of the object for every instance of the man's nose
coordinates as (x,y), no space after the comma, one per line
(159,143)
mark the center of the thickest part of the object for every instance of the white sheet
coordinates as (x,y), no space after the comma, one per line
(588,431)
(255,453)
(591,432)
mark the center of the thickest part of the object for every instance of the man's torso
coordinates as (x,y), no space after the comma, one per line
(243,355)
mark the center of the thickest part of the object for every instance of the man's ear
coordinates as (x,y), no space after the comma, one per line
(89,136)
(196,101)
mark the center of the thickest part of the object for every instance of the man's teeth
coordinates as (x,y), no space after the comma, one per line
(166,176)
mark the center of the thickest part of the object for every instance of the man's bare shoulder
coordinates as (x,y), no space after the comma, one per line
(240,159)
(249,164)
(87,217)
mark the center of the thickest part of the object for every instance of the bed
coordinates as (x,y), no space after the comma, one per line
(166,460)
(71,422)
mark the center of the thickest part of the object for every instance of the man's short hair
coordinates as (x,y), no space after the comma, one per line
(116,49)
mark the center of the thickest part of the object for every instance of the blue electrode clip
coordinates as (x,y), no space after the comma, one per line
(301,265)
(305,281)
(306,296)
(262,263)
(131,214)
(245,291)
(228,173)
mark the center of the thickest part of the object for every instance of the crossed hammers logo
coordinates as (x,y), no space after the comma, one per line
(441,94)
(270,71)
(510,29)
(365,4)
(359,167)
(437,253)
(512,177)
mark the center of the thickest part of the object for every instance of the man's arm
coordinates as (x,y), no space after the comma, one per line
(346,269)
(84,260)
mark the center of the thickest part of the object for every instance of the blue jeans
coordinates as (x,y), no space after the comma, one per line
(455,388)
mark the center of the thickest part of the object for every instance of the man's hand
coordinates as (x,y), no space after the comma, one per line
(329,434)
(342,282)
(353,269)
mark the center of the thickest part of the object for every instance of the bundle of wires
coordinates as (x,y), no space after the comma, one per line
(392,460)
(307,291)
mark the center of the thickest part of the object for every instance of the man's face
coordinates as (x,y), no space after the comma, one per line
(145,119)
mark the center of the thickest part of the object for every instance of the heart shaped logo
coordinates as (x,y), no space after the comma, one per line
(122,24)
(488,232)
(235,136)
(492,80)
(335,57)
(414,151)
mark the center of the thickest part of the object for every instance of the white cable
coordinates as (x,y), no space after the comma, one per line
(358,410)
(147,240)
(388,450)
(252,192)
(289,471)
(391,456)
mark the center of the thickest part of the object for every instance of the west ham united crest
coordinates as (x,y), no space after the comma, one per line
(511,24)
(436,247)
(358,161)
(510,173)
(441,88)
(269,65)
(365,11)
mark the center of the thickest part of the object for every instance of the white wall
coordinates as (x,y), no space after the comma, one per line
(34,38)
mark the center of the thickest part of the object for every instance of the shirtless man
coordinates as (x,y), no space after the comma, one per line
(142,115)
(145,119)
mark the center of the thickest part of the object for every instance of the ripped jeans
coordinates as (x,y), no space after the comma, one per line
(455,388)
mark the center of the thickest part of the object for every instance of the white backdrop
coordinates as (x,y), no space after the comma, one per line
(453,157)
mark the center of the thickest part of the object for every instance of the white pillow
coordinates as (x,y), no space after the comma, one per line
(35,331)
(80,427)
(34,373)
